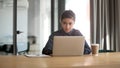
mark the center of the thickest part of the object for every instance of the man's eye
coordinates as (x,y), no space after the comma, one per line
(64,22)
(70,23)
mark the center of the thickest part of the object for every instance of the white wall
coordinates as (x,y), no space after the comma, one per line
(45,22)
(31,17)
(34,19)
(39,21)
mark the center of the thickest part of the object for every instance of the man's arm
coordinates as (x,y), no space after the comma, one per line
(87,49)
(48,48)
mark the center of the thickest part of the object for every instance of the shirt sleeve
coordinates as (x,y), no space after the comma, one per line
(87,49)
(47,50)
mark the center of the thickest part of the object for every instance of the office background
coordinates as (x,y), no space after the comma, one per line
(37,19)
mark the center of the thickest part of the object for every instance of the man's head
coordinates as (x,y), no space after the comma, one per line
(67,20)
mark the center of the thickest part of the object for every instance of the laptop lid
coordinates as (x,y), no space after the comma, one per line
(68,45)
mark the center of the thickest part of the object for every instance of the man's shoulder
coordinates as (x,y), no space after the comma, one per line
(56,32)
(77,32)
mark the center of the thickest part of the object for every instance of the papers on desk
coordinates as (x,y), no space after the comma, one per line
(35,55)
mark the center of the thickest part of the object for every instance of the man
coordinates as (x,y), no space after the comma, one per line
(67,22)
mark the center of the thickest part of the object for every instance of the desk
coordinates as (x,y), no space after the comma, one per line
(103,60)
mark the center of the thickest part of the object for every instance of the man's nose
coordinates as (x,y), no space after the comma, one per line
(67,26)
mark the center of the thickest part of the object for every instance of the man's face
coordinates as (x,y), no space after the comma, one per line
(67,24)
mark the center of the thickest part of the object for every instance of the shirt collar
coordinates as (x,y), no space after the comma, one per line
(68,32)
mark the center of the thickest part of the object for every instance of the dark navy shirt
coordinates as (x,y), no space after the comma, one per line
(48,48)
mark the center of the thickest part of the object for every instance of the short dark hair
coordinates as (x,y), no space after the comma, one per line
(68,14)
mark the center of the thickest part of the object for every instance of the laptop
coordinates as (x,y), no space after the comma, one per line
(68,45)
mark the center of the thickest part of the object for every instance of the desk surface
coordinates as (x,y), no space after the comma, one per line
(103,60)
